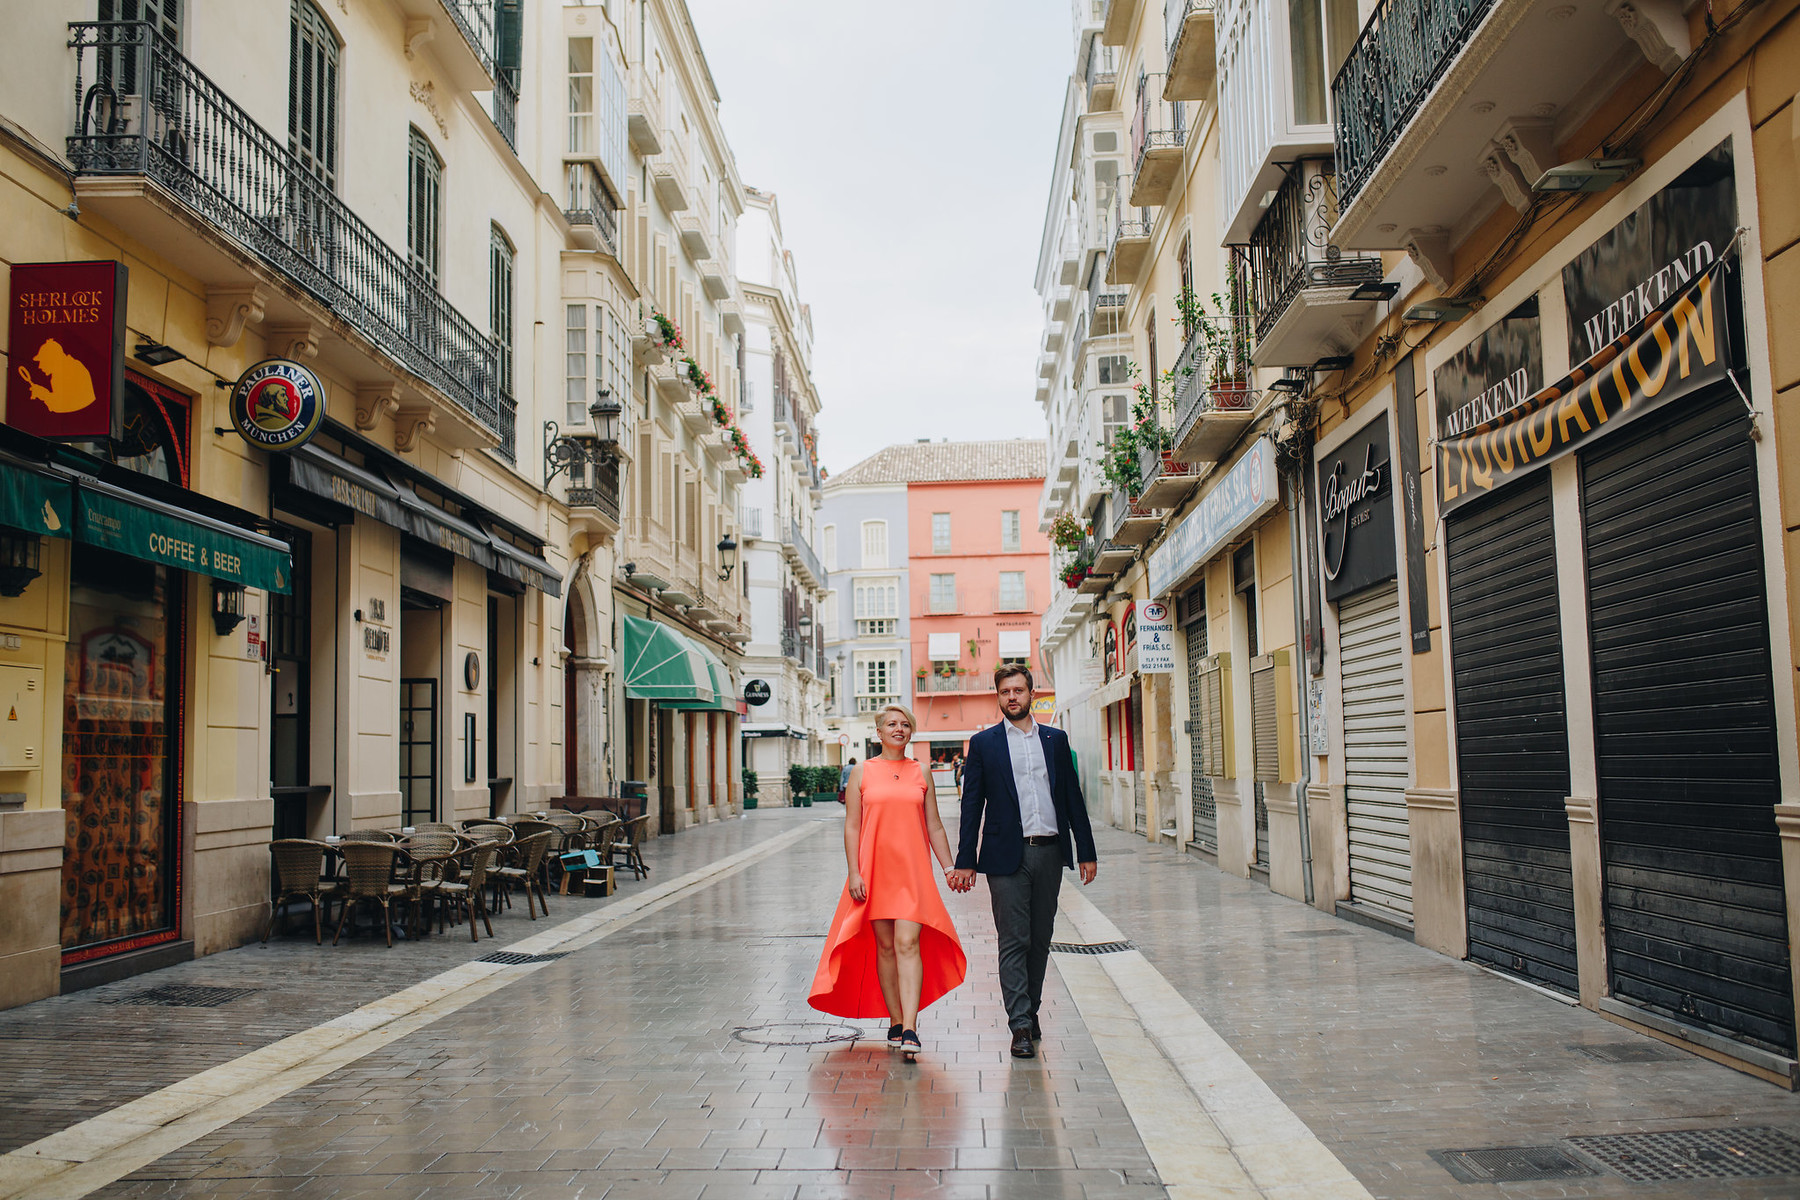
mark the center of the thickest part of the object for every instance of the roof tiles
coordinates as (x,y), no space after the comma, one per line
(948,462)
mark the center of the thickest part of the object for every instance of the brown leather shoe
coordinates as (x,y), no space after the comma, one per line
(1021,1044)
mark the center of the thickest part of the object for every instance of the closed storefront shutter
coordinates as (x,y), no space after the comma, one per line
(1685,723)
(1370,649)
(1512,745)
(1202,688)
(1139,813)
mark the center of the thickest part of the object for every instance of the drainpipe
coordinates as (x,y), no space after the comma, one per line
(1294,559)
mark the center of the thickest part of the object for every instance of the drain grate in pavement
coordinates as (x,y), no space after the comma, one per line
(190,996)
(1631,1052)
(1316,933)
(1510,1164)
(808,1033)
(1090,947)
(1693,1153)
(509,958)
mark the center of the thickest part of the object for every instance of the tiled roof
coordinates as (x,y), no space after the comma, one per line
(948,462)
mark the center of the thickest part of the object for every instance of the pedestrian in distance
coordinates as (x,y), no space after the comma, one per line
(892,949)
(1022,799)
(844,777)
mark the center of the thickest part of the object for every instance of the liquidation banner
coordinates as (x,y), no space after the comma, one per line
(1670,352)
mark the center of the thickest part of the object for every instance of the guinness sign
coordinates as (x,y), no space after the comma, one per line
(757,693)
(1356,512)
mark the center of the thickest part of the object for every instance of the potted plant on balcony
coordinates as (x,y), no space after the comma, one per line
(668,333)
(1078,569)
(1067,532)
(922,672)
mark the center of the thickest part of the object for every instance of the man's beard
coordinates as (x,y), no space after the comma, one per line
(1013,713)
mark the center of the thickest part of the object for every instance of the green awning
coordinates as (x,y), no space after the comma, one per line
(35,502)
(724,696)
(115,519)
(662,664)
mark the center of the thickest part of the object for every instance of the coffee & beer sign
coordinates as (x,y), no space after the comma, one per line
(277,405)
(1356,512)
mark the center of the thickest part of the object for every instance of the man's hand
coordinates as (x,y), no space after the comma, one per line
(1088,871)
(960,881)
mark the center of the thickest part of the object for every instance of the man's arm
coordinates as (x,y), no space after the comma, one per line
(974,798)
(1078,817)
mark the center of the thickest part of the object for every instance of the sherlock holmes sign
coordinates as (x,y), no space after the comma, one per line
(1655,294)
(67,349)
(1356,512)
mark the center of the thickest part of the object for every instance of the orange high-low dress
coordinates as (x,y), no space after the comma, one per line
(895,859)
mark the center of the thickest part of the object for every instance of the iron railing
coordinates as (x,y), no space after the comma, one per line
(1400,55)
(588,204)
(1102,66)
(603,495)
(804,552)
(1129,220)
(474,19)
(1158,124)
(1291,247)
(141,108)
(1175,15)
(505,108)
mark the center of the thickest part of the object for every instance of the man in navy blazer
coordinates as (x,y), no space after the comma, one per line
(1021,797)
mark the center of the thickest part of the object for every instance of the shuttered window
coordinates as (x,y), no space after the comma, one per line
(424,206)
(500,303)
(312,92)
(1265,720)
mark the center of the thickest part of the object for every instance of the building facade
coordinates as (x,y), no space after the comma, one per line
(863,530)
(1485,607)
(488,249)
(784,663)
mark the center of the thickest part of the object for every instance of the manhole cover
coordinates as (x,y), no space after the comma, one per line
(1631,1052)
(192,996)
(1510,1164)
(509,958)
(1090,947)
(1693,1153)
(802,1034)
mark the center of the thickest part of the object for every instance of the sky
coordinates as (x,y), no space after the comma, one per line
(910,147)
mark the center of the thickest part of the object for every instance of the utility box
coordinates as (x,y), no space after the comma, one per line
(21,718)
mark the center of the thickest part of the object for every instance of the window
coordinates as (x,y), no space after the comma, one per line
(877,598)
(509,37)
(878,676)
(874,547)
(1009,530)
(943,593)
(1115,369)
(828,547)
(500,303)
(575,359)
(1320,35)
(1012,592)
(883,627)
(1113,415)
(831,614)
(581,95)
(940,533)
(424,206)
(312,86)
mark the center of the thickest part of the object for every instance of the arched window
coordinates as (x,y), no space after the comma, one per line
(424,206)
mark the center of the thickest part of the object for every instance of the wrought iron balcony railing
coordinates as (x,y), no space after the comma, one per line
(474,19)
(601,494)
(589,206)
(804,552)
(1291,247)
(506,107)
(1400,55)
(1157,124)
(144,109)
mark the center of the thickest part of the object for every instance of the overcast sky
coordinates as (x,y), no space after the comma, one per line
(910,148)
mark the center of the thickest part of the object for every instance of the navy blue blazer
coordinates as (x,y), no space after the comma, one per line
(988,785)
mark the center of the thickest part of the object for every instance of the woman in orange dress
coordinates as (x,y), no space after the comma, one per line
(892,949)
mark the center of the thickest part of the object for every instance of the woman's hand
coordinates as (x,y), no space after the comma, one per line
(859,891)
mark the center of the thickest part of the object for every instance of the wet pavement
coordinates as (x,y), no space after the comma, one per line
(1249,1046)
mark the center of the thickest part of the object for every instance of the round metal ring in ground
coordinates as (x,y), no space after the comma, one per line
(805,1033)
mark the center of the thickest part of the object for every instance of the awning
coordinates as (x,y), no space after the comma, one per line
(724,695)
(662,664)
(943,647)
(1111,693)
(34,501)
(115,519)
(522,566)
(329,477)
(434,526)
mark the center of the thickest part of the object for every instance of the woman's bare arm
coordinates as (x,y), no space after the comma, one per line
(934,829)
(859,890)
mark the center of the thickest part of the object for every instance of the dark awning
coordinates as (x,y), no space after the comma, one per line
(323,474)
(114,519)
(522,566)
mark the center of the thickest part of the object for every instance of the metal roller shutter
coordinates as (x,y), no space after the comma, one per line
(1685,723)
(1512,735)
(1202,685)
(1371,653)
(1139,805)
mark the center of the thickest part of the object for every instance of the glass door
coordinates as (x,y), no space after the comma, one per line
(418,751)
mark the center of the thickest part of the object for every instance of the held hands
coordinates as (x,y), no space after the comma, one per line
(859,891)
(960,881)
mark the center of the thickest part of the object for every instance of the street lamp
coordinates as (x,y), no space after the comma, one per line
(727,556)
(574,452)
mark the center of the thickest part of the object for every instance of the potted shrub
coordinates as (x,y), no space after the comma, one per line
(922,672)
(749,777)
(1077,570)
(825,784)
(799,779)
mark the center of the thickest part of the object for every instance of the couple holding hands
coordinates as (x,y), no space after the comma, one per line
(892,949)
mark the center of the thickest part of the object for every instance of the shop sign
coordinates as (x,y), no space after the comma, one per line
(1356,512)
(277,405)
(1237,502)
(155,533)
(1043,705)
(67,340)
(757,692)
(1110,650)
(1155,639)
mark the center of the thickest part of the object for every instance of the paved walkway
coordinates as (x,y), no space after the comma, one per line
(662,1047)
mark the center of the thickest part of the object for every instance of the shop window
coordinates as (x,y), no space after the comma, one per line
(154,432)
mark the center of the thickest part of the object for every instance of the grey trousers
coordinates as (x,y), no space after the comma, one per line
(1025,917)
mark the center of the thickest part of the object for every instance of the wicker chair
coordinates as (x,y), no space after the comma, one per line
(467,893)
(369,835)
(625,850)
(525,827)
(369,875)
(573,827)
(527,869)
(299,863)
(600,830)
(434,827)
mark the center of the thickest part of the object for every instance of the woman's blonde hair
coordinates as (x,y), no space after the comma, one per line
(905,715)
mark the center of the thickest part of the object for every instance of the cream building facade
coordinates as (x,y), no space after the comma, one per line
(465,218)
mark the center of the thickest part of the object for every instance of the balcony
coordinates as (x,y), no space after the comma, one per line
(944,601)
(1436,104)
(801,552)
(1102,76)
(178,165)
(692,411)
(1189,35)
(669,175)
(1027,601)
(594,503)
(467,50)
(715,279)
(1130,240)
(642,126)
(590,210)
(1213,403)
(1133,521)
(1167,479)
(670,384)
(646,344)
(1307,301)
(1117,25)
(504,107)
(1158,142)
(696,234)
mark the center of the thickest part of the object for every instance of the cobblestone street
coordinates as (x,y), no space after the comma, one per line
(1253,1048)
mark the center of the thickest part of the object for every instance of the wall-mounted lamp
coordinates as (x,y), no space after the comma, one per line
(1585,175)
(19,560)
(727,556)
(573,452)
(1291,385)
(804,624)
(228,606)
(1436,312)
(1335,362)
(156,354)
(1379,290)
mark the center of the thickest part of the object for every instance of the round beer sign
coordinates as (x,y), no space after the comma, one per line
(277,404)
